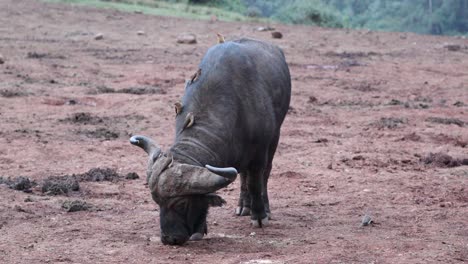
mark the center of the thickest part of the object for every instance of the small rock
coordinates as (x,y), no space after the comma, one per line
(154,239)
(132,176)
(138,12)
(187,38)
(2,60)
(366,220)
(98,36)
(267,28)
(252,234)
(141,33)
(359,157)
(276,34)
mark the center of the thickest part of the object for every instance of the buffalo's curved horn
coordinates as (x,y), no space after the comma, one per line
(186,179)
(229,172)
(146,144)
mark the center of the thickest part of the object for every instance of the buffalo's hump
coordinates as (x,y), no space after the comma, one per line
(239,101)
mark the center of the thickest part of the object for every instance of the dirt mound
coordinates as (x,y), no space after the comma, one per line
(443,160)
(100,174)
(62,185)
(446,121)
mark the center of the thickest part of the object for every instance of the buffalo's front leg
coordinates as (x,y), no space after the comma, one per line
(266,201)
(243,207)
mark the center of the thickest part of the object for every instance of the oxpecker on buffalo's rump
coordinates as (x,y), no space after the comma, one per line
(228,122)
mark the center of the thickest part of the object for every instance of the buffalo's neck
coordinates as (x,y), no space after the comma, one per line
(199,147)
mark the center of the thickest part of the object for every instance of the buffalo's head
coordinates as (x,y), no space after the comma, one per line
(183,192)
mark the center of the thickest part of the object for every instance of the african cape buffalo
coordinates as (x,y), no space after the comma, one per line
(228,122)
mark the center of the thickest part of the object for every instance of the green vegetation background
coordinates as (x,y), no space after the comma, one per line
(447,17)
(441,17)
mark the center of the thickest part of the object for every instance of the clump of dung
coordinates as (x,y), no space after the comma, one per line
(57,185)
(76,205)
(20,183)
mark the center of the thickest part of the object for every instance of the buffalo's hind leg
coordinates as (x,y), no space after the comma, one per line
(266,174)
(243,207)
(255,186)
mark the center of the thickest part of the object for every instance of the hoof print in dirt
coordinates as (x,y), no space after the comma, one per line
(100,133)
(9,93)
(76,205)
(83,118)
(443,160)
(60,185)
(390,122)
(142,90)
(19,183)
(38,55)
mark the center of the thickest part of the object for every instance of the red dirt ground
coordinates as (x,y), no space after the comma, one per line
(363,114)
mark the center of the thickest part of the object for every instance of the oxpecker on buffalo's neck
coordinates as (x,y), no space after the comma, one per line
(195,76)
(220,38)
(178,108)
(189,120)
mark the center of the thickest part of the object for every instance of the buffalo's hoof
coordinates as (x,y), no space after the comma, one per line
(242,211)
(260,223)
(196,237)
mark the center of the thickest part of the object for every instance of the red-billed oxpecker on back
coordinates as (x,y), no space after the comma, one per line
(228,122)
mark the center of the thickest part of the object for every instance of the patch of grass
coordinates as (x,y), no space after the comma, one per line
(160,8)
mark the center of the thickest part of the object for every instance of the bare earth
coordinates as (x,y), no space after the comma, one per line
(367,110)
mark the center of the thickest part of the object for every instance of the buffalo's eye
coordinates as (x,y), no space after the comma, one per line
(181,206)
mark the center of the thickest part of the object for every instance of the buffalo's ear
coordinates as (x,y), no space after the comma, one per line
(215,200)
